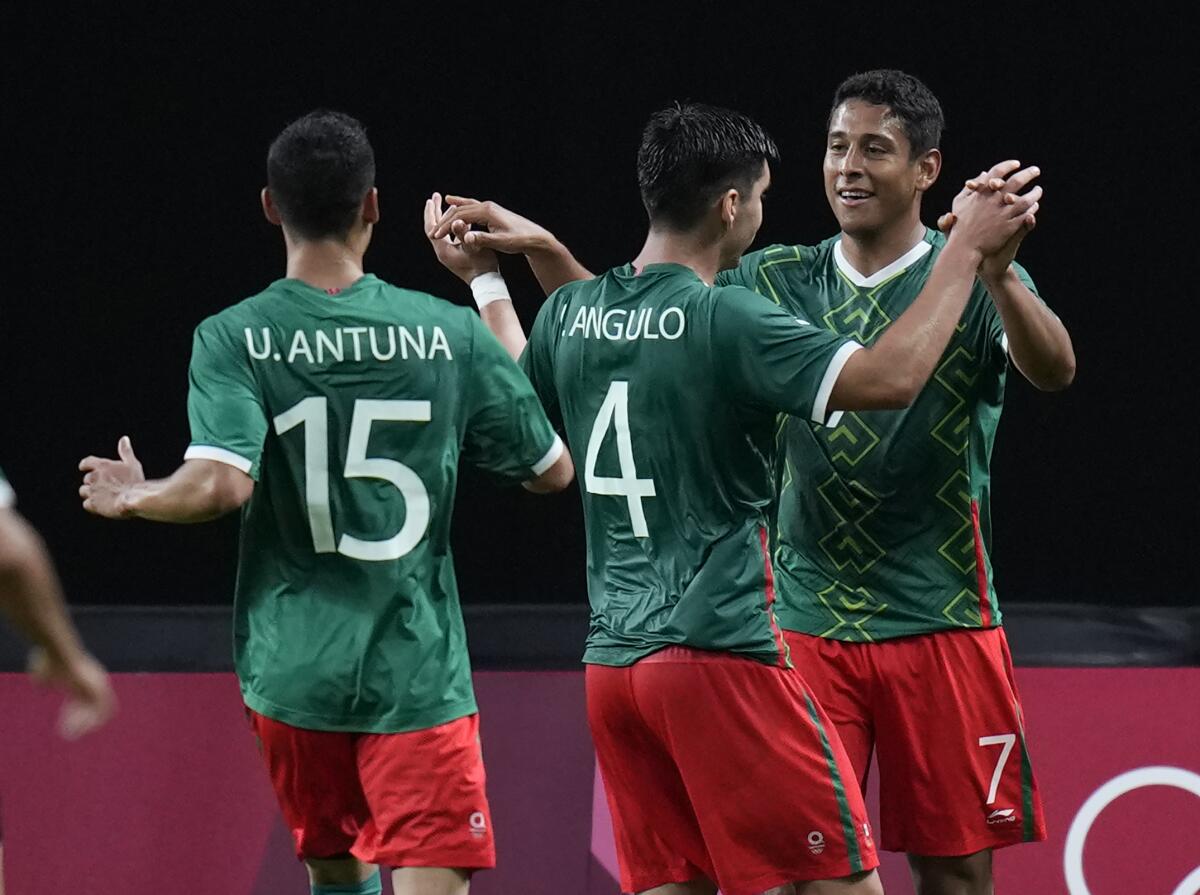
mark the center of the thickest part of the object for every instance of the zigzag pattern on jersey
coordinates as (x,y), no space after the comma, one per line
(851,503)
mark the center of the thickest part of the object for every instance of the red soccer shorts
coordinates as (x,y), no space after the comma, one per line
(723,767)
(413,799)
(942,712)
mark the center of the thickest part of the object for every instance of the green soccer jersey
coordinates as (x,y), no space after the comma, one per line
(668,390)
(883,521)
(351,412)
(7,498)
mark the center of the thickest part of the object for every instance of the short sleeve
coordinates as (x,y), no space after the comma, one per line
(224,405)
(507,432)
(772,360)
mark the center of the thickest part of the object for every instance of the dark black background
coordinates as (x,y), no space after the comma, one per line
(135,151)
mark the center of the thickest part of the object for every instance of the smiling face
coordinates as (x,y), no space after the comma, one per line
(872,180)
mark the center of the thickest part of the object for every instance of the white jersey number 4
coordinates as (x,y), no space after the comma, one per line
(614,413)
(312,413)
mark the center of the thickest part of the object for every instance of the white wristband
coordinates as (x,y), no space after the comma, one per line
(489,287)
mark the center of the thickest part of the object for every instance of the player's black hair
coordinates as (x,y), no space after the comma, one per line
(318,171)
(919,112)
(690,154)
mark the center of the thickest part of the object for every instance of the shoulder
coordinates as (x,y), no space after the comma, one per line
(247,312)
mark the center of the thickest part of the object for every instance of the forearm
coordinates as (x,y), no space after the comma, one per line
(30,594)
(188,496)
(501,318)
(554,265)
(892,372)
(1038,343)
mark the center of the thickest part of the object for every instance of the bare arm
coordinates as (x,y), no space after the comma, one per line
(31,598)
(508,232)
(1038,343)
(501,318)
(197,491)
(891,373)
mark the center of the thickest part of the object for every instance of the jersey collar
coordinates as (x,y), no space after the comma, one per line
(916,253)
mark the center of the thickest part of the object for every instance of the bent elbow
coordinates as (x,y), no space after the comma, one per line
(1057,379)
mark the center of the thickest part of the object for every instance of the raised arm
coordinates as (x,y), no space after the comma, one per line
(892,372)
(508,232)
(197,491)
(1038,342)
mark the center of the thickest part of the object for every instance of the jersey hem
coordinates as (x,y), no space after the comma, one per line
(620,657)
(795,629)
(392,722)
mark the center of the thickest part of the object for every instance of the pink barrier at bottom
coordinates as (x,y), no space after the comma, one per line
(171,797)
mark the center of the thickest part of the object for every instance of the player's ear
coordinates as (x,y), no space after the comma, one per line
(929,166)
(269,210)
(729,207)
(370,206)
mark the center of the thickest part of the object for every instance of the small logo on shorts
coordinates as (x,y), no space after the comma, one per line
(816,842)
(478,824)
(1002,816)
(867,832)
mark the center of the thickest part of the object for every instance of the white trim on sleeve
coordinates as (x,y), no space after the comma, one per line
(552,455)
(821,403)
(208,452)
(1004,342)
(7,496)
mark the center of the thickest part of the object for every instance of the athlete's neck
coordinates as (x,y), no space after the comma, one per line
(869,253)
(327,264)
(670,247)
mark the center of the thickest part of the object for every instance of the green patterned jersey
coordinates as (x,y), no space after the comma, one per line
(351,412)
(7,498)
(883,523)
(668,390)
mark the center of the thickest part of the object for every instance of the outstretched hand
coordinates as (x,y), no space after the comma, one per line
(105,481)
(466,259)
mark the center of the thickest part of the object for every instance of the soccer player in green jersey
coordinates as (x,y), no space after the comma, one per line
(333,409)
(885,580)
(30,597)
(720,767)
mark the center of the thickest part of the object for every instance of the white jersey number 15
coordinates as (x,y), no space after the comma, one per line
(312,413)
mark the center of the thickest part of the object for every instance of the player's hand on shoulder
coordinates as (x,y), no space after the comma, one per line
(994,209)
(90,698)
(106,481)
(499,228)
(466,260)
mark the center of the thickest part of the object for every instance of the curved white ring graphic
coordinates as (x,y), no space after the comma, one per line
(1160,775)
